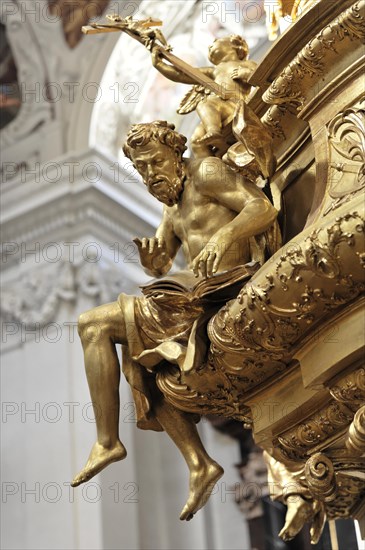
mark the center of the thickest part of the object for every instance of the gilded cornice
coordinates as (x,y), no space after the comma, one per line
(294,82)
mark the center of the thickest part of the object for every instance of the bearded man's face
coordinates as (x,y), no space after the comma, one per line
(161,169)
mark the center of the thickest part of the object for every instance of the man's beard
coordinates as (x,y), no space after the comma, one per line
(172,188)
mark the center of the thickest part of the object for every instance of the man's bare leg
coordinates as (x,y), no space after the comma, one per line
(209,112)
(204,471)
(199,150)
(100,329)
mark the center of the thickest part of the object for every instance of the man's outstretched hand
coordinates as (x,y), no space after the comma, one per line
(153,254)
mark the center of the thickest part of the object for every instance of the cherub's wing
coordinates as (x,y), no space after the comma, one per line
(191,100)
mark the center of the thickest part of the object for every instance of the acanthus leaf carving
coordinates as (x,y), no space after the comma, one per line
(350,389)
(346,142)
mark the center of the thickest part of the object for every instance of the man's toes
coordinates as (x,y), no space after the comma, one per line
(286,534)
(76,482)
(283,535)
(187,516)
(80,478)
(184,514)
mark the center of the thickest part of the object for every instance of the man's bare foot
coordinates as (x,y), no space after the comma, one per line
(99,458)
(201,485)
(299,512)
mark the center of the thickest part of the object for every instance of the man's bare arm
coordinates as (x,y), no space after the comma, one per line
(157,253)
(166,231)
(255,218)
(255,213)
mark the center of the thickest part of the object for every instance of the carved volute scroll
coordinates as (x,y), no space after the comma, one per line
(320,476)
(355,441)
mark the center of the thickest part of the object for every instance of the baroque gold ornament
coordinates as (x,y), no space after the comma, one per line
(262,314)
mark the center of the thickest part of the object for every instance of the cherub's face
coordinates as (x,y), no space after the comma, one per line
(220,48)
(161,170)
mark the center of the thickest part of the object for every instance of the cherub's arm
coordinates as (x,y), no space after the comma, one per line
(243,71)
(173,73)
(255,213)
(157,253)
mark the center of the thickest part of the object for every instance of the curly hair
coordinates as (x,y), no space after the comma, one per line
(159,130)
(238,43)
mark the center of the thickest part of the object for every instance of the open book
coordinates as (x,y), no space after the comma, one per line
(220,287)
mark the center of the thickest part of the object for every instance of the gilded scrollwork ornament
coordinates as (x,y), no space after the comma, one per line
(232,327)
(355,441)
(350,389)
(346,141)
(297,442)
(320,477)
(289,87)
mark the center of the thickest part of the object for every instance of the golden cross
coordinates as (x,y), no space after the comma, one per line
(143,32)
